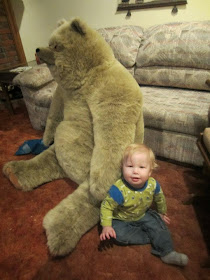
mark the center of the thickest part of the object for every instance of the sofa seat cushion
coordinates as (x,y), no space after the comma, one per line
(124,41)
(177,110)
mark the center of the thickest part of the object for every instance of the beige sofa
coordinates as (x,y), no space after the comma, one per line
(171,63)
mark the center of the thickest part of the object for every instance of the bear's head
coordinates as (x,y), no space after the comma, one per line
(74,51)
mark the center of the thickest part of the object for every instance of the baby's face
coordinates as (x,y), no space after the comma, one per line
(137,169)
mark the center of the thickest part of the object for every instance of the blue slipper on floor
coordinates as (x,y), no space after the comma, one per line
(34,146)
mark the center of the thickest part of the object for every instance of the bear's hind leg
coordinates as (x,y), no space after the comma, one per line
(70,219)
(29,174)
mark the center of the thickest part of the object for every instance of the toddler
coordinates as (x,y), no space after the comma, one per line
(126,214)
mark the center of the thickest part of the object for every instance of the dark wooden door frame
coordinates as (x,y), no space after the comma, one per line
(15,32)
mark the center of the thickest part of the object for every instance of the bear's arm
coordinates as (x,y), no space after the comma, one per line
(55,116)
(114,128)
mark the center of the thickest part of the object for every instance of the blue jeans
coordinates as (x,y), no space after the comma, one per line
(149,229)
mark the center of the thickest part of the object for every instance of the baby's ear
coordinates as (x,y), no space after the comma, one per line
(60,22)
(78,26)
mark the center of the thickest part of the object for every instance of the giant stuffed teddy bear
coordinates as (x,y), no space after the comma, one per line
(95,113)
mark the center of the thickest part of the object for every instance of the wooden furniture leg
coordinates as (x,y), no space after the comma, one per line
(7,98)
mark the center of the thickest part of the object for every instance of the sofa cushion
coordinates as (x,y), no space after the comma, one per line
(176,45)
(173,77)
(178,110)
(36,77)
(124,41)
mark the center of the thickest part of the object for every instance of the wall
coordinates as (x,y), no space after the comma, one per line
(36,19)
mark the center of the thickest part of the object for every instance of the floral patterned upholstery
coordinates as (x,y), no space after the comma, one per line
(173,120)
(175,55)
(37,86)
(124,41)
(172,67)
(171,63)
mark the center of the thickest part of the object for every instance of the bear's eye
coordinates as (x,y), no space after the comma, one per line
(56,47)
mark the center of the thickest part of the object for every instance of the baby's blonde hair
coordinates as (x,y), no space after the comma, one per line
(139,148)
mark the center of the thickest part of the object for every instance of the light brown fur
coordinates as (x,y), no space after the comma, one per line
(95,113)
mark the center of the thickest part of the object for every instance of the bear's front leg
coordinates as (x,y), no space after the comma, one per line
(29,174)
(70,219)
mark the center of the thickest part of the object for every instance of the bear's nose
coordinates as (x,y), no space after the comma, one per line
(37,50)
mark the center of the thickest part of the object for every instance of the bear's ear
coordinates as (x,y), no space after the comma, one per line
(78,26)
(60,22)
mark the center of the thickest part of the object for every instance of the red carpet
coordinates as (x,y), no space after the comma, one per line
(23,250)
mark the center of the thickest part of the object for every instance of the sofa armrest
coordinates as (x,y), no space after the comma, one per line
(36,77)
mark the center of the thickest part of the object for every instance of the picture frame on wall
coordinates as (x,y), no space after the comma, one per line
(146,4)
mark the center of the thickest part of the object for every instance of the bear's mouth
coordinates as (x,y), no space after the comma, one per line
(41,60)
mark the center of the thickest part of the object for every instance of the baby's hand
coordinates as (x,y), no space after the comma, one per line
(107,232)
(165,218)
